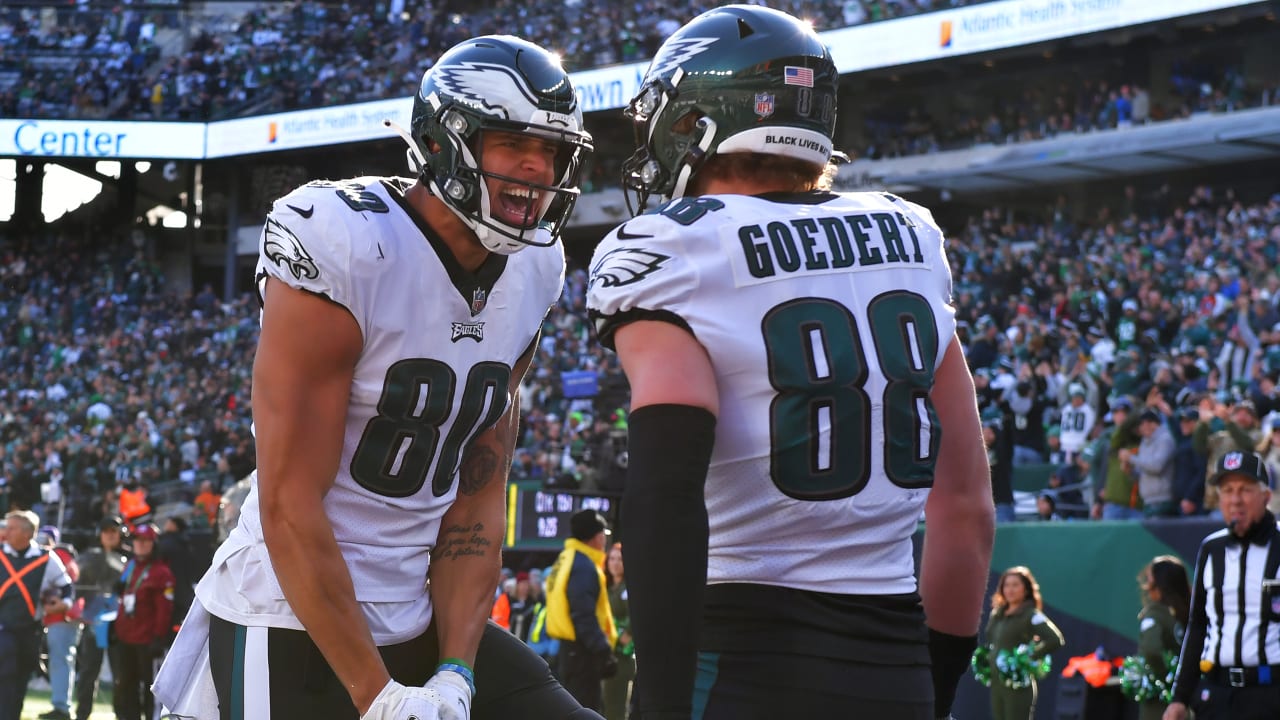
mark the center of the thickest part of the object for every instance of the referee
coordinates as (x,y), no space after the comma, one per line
(1230,665)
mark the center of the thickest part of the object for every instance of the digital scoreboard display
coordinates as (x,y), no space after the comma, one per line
(539,517)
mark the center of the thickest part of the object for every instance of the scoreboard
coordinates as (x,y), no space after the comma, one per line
(538,517)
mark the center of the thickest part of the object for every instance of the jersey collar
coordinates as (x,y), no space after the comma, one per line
(475,288)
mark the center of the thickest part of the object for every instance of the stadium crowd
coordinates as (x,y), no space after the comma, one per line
(111,61)
(1159,302)
(110,383)
(1029,111)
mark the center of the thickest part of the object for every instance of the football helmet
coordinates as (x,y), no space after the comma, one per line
(739,78)
(497,82)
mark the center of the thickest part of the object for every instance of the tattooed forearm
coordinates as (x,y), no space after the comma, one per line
(480,466)
(459,541)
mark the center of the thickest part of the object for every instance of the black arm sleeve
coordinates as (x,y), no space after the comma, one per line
(1184,686)
(664,519)
(950,655)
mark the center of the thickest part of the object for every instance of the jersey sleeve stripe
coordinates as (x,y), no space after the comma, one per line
(607,325)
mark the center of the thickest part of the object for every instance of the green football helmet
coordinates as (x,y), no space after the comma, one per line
(735,79)
(497,82)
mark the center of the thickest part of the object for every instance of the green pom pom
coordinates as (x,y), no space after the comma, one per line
(981,665)
(1141,683)
(1018,668)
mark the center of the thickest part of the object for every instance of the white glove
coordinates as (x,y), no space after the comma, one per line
(397,702)
(455,692)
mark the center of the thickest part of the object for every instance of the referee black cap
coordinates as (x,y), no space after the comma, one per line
(1241,462)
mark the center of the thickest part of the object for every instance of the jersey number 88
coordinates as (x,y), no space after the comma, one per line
(820,419)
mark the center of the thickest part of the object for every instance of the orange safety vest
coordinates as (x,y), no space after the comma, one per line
(133,503)
(15,578)
(1094,670)
(502,612)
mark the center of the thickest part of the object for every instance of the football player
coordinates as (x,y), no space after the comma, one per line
(398,318)
(798,398)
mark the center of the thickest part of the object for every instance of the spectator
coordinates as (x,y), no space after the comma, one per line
(34,579)
(523,605)
(1047,507)
(100,570)
(578,612)
(1153,461)
(501,613)
(61,628)
(206,503)
(1118,498)
(1269,448)
(1189,464)
(999,443)
(1077,422)
(144,624)
(174,547)
(617,689)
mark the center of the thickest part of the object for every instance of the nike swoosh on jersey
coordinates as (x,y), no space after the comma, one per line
(306,214)
(624,235)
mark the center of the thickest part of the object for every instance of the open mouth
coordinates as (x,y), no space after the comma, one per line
(518,206)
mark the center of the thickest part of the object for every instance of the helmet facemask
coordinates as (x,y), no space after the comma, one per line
(455,174)
(692,135)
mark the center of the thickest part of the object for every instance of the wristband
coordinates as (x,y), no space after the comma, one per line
(461,668)
(458,661)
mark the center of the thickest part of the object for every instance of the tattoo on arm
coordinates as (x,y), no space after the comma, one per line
(479,467)
(460,541)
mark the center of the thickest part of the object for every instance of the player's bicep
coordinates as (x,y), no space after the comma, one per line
(302,375)
(665,364)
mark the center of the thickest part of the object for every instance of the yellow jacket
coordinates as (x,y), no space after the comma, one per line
(578,573)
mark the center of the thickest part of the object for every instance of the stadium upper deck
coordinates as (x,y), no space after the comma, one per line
(217,60)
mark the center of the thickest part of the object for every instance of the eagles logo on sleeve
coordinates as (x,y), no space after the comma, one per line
(283,248)
(625,266)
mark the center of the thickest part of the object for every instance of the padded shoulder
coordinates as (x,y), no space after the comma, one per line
(640,271)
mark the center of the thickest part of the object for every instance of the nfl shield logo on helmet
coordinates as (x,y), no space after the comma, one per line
(764,104)
(1232,461)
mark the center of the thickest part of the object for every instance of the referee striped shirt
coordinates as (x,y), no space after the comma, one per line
(1229,624)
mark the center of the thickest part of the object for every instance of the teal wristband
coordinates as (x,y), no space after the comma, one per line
(462,669)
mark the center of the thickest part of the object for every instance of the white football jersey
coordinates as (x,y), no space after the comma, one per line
(1077,423)
(439,345)
(825,317)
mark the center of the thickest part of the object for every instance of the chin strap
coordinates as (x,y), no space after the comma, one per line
(416,160)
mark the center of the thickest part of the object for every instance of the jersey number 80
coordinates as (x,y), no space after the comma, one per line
(401,441)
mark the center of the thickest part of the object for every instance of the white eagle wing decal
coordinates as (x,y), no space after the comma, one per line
(678,52)
(625,266)
(493,89)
